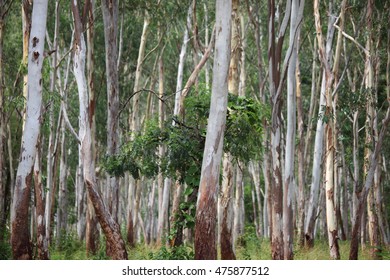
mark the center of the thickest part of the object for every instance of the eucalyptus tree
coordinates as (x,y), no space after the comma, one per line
(289,177)
(206,212)
(111,229)
(20,238)
(275,46)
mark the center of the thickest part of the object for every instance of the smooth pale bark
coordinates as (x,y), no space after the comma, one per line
(51,142)
(91,231)
(301,163)
(21,247)
(180,68)
(42,244)
(230,217)
(206,211)
(162,226)
(62,211)
(318,144)
(289,176)
(254,169)
(329,139)
(150,215)
(110,10)
(110,228)
(134,122)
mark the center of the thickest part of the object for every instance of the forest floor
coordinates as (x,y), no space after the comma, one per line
(249,249)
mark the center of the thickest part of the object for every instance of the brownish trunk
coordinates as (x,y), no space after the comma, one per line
(91,233)
(206,211)
(43,253)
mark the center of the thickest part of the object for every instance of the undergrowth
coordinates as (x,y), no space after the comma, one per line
(248,247)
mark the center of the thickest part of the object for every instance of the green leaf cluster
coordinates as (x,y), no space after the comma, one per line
(184,139)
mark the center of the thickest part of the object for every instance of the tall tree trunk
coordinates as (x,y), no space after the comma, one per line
(110,228)
(329,138)
(42,245)
(2,125)
(318,146)
(369,129)
(92,233)
(62,212)
(110,10)
(275,44)
(289,180)
(134,120)
(356,227)
(206,212)
(20,237)
(230,218)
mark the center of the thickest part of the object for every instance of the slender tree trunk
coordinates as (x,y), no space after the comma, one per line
(110,228)
(230,217)
(353,253)
(2,126)
(318,146)
(206,212)
(42,245)
(110,10)
(134,120)
(92,233)
(275,80)
(289,180)
(62,212)
(20,237)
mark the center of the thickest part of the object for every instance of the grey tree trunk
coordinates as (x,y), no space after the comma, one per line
(110,10)
(206,212)
(110,228)
(289,179)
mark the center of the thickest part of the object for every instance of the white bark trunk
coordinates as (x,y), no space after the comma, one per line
(20,236)
(206,212)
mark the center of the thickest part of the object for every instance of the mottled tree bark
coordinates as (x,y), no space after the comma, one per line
(20,237)
(42,244)
(91,232)
(110,228)
(206,212)
(110,10)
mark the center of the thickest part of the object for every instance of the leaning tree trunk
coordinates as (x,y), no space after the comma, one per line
(110,228)
(353,253)
(20,237)
(206,211)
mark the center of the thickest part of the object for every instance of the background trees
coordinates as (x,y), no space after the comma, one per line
(306,120)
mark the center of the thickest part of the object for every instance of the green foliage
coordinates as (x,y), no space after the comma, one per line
(184,141)
(5,246)
(69,246)
(176,253)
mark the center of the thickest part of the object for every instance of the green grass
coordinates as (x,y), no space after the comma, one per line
(248,247)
